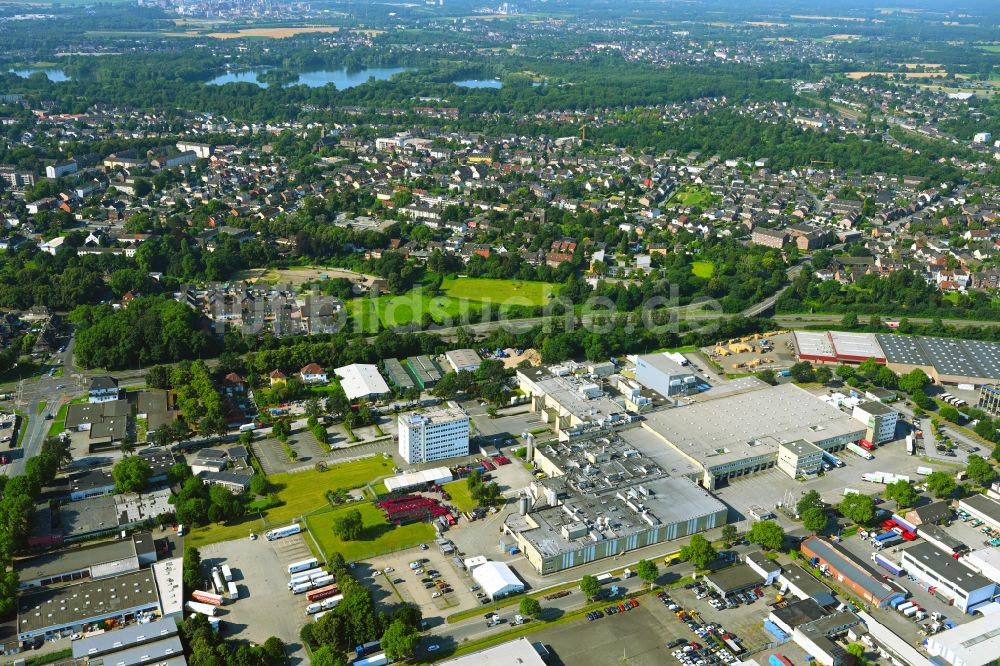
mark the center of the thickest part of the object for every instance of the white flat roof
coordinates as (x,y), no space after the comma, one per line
(971,644)
(495,578)
(518,652)
(813,343)
(856,344)
(168,575)
(361,380)
(410,479)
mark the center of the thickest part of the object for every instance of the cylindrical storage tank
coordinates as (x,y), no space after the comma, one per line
(522,505)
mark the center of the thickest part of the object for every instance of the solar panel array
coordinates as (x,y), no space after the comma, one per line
(963,358)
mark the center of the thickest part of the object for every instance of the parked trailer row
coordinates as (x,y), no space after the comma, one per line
(325,604)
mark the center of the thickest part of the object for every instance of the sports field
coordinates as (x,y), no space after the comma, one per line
(377,538)
(299,493)
(514,292)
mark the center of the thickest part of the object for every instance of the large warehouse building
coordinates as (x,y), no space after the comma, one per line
(945,360)
(604,497)
(837,347)
(739,433)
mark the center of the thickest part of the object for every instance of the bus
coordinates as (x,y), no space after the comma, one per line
(303,565)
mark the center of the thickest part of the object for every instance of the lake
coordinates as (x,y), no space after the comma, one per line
(52,74)
(342,78)
(480,83)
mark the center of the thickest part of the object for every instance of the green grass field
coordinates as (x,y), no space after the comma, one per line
(702,269)
(378,537)
(460,496)
(692,196)
(461,297)
(299,494)
(513,292)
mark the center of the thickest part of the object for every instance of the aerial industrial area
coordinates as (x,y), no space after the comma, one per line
(564,332)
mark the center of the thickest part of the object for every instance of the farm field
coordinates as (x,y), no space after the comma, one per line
(299,493)
(274,33)
(378,536)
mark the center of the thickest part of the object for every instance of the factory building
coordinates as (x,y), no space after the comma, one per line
(576,406)
(945,360)
(974,643)
(880,421)
(852,574)
(667,374)
(837,347)
(436,435)
(76,608)
(950,579)
(103,560)
(983,508)
(740,431)
(604,497)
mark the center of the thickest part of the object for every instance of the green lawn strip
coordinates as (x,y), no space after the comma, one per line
(351,437)
(24,426)
(533,625)
(59,422)
(461,498)
(298,494)
(41,407)
(50,658)
(378,430)
(378,537)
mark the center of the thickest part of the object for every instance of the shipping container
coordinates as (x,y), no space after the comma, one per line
(894,540)
(903,606)
(303,565)
(301,587)
(217,582)
(282,532)
(234,592)
(911,447)
(323,593)
(322,581)
(885,536)
(911,611)
(227,573)
(733,646)
(318,573)
(367,648)
(895,603)
(204,609)
(206,597)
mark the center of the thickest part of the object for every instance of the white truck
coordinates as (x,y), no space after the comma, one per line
(227,573)
(282,532)
(911,611)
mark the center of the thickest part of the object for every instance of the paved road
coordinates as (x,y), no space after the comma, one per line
(51,390)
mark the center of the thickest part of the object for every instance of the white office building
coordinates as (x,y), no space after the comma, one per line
(433,435)
(881,421)
(968,589)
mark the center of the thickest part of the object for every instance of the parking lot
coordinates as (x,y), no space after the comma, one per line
(410,586)
(265,606)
